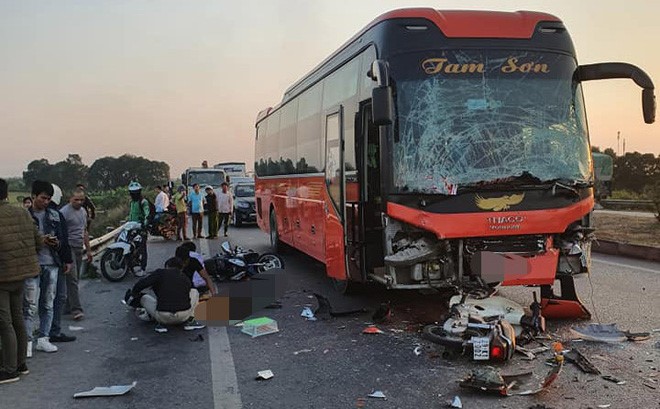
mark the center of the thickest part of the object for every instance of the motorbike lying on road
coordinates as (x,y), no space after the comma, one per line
(124,254)
(236,263)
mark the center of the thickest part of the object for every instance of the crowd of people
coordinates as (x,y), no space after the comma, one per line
(42,248)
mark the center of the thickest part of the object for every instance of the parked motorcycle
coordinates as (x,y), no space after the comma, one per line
(164,224)
(237,263)
(124,254)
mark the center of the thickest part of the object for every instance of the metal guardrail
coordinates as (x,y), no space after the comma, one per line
(617,204)
(99,244)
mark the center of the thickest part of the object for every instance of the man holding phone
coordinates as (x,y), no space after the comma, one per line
(53,255)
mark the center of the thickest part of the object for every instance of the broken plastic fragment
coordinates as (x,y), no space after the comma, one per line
(372,329)
(308,313)
(637,336)
(456,403)
(605,406)
(600,333)
(265,375)
(302,351)
(418,350)
(74,328)
(613,379)
(377,394)
(581,362)
(134,338)
(115,390)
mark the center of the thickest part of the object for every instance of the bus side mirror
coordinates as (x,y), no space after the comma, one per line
(382,102)
(609,70)
(648,105)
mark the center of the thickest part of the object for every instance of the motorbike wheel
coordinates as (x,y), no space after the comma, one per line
(270,262)
(113,265)
(437,335)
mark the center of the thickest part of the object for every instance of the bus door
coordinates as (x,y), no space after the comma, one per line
(365,238)
(335,241)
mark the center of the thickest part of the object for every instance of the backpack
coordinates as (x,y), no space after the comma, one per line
(152,211)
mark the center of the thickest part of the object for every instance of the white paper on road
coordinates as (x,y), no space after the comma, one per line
(116,390)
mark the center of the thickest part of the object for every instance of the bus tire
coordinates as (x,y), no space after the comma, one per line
(275,243)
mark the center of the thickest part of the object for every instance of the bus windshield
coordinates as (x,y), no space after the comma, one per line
(214,179)
(468,117)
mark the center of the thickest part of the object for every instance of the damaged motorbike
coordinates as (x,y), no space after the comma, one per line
(237,263)
(487,328)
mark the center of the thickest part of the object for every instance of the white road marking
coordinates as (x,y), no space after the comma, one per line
(612,263)
(223,373)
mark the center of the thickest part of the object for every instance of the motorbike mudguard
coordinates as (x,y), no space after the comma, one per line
(119,245)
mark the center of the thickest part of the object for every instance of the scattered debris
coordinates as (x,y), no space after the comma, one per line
(648,385)
(372,329)
(576,357)
(198,338)
(637,336)
(525,383)
(324,310)
(275,305)
(264,375)
(418,350)
(605,406)
(115,390)
(308,313)
(257,327)
(302,351)
(397,331)
(456,403)
(74,328)
(134,338)
(383,313)
(600,333)
(377,395)
(613,379)
(325,351)
(239,324)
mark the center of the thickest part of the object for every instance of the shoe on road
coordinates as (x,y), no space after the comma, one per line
(62,338)
(43,344)
(160,328)
(23,370)
(6,377)
(192,324)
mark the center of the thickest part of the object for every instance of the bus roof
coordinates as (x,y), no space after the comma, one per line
(453,24)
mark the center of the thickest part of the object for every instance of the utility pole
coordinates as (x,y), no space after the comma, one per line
(618,139)
(624,146)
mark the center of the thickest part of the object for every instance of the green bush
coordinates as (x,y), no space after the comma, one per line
(627,195)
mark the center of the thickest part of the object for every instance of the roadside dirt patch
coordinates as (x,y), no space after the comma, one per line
(628,229)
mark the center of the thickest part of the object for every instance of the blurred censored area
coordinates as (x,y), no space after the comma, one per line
(237,300)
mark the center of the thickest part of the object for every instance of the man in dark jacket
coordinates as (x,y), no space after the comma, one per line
(175,299)
(212,210)
(19,240)
(53,255)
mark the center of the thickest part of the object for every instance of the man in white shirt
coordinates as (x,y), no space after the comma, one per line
(162,200)
(225,206)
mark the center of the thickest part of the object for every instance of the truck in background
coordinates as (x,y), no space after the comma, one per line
(603,171)
(205,177)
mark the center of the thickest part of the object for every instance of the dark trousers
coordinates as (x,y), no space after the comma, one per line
(224,221)
(213,224)
(12,326)
(182,225)
(197,219)
(73,297)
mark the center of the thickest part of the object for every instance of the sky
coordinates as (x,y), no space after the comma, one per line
(182,81)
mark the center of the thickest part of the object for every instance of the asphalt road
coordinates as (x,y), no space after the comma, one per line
(331,364)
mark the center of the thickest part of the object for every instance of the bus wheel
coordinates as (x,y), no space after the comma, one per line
(275,243)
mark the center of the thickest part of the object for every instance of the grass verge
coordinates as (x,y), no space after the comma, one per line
(643,231)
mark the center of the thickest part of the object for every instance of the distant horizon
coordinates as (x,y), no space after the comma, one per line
(182,82)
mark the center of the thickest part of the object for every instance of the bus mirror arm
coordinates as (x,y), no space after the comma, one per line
(623,70)
(380,73)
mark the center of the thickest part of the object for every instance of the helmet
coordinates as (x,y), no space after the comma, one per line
(134,186)
(57,195)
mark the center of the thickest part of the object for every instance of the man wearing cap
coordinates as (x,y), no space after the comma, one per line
(181,212)
(212,209)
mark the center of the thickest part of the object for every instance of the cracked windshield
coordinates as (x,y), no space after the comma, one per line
(475,116)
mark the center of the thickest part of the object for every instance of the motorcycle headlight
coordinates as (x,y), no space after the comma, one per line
(243,205)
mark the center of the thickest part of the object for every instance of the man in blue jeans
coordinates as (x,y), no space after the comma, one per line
(53,255)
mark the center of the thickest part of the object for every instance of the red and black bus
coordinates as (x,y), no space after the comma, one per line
(440,148)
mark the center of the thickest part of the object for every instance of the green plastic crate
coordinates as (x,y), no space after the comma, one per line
(259,326)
